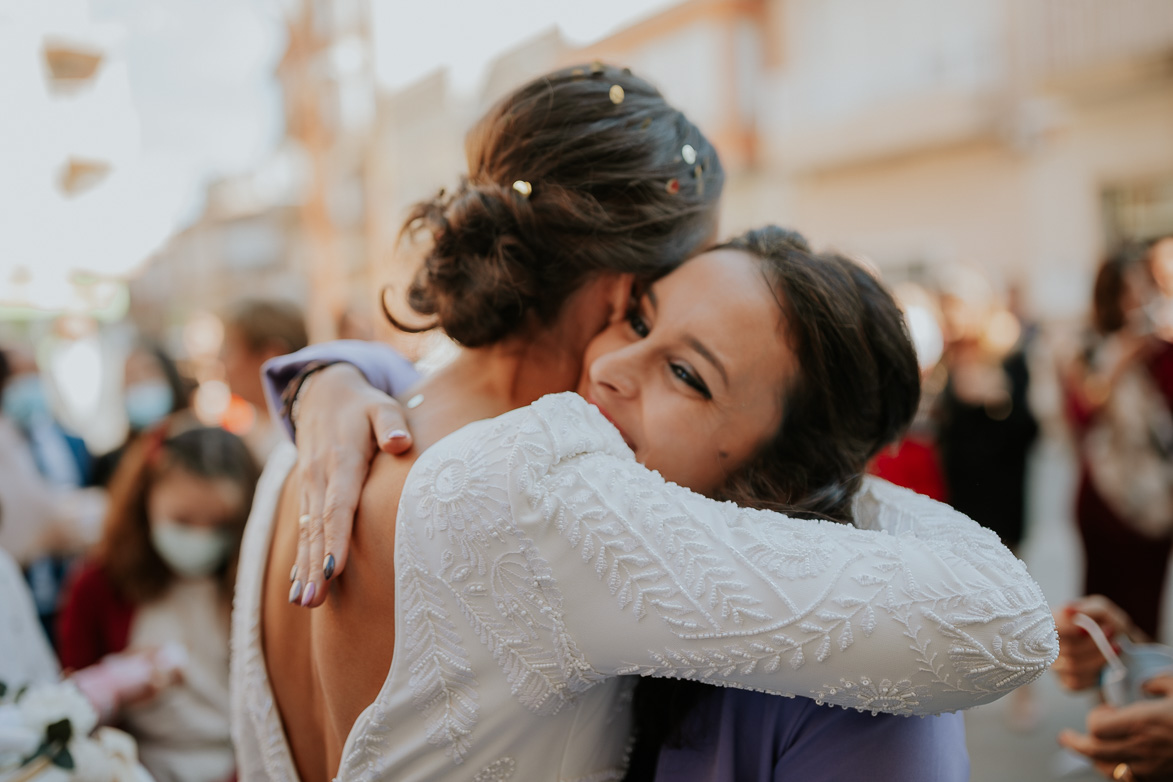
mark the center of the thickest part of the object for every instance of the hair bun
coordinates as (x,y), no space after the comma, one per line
(600,202)
(475,279)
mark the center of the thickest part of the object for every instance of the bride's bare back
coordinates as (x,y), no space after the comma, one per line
(329,664)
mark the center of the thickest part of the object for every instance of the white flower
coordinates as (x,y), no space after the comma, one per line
(91,761)
(123,753)
(45,704)
(16,737)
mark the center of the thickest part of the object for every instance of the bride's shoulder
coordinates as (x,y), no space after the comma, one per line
(553,428)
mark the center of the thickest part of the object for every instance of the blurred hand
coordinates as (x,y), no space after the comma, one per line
(1134,348)
(1079,663)
(1140,734)
(130,677)
(341,422)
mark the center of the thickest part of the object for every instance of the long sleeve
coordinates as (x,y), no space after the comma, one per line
(94,620)
(586,565)
(383,366)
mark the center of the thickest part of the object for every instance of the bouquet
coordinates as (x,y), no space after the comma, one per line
(49,732)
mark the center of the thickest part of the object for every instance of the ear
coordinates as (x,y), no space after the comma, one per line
(620,297)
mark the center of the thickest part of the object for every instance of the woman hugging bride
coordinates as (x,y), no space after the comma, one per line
(697,511)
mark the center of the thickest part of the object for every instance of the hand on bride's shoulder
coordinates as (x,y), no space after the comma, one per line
(342,423)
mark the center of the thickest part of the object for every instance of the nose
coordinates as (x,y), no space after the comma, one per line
(617,372)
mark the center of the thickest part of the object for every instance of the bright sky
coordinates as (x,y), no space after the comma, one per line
(186,93)
(201,71)
(414,37)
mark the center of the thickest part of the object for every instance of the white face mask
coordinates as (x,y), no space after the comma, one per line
(190,551)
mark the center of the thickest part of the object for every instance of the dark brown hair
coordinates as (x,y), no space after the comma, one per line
(619,181)
(267,323)
(1111,278)
(857,385)
(125,551)
(856,390)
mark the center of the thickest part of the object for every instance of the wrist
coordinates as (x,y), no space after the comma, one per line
(294,393)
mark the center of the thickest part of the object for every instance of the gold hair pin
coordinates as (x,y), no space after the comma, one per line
(523,188)
(688,153)
(616,94)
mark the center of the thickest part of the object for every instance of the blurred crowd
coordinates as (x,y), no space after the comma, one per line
(127,557)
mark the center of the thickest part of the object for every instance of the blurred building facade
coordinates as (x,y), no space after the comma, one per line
(1021,137)
(297,227)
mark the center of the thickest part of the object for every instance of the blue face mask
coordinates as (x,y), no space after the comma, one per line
(147,402)
(24,400)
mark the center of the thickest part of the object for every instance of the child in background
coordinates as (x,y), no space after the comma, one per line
(163,574)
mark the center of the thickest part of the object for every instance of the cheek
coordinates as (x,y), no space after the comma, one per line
(681,443)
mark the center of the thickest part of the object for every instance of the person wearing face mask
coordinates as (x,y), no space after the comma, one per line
(162,576)
(152,389)
(44,518)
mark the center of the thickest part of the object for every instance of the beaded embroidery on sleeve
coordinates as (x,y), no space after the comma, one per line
(571,563)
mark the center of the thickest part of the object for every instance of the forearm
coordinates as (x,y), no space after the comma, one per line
(930,614)
(881,622)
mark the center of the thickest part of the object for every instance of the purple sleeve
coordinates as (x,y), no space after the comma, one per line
(742,736)
(383,366)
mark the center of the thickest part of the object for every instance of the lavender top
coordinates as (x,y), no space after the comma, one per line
(383,366)
(745,736)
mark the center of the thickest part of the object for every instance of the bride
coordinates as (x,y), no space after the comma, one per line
(533,561)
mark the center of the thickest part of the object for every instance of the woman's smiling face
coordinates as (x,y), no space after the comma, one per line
(693,375)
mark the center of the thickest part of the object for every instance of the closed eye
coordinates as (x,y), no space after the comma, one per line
(687,377)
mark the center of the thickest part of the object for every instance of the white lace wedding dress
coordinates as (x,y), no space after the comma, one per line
(537,562)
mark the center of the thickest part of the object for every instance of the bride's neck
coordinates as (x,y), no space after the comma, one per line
(541,358)
(517,370)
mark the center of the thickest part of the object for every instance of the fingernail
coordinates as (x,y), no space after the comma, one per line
(310,590)
(396,434)
(328,566)
(1117,648)
(293,573)
(295,591)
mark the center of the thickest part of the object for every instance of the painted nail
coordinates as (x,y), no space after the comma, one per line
(328,566)
(295,592)
(397,434)
(311,589)
(293,573)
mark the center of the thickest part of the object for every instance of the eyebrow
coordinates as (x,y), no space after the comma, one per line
(693,342)
(699,347)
